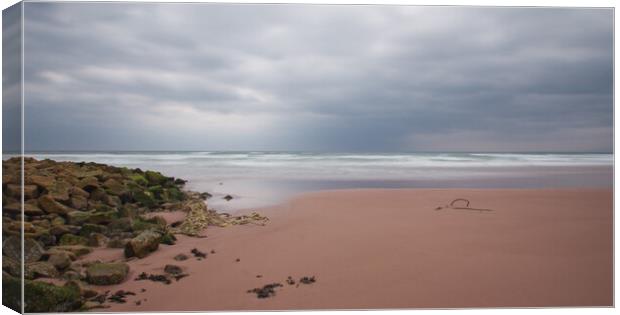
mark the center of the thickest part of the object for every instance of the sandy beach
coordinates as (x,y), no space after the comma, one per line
(393,249)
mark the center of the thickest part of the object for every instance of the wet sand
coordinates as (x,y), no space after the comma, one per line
(392,249)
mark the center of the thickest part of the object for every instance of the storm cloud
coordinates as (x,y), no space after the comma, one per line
(140,76)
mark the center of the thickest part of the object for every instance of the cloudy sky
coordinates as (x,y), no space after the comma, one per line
(115,76)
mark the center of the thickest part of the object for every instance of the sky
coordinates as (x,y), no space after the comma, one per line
(139,76)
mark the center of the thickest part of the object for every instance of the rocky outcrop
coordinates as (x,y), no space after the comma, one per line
(70,208)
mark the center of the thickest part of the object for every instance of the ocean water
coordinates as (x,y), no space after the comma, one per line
(259,179)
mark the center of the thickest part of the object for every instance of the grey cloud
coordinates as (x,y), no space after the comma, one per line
(309,77)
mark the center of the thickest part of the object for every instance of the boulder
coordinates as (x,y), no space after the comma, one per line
(78,217)
(78,202)
(14,190)
(78,192)
(40,269)
(45,182)
(11,266)
(97,240)
(144,198)
(106,273)
(120,225)
(11,247)
(88,183)
(49,205)
(141,245)
(59,190)
(114,187)
(32,209)
(85,290)
(155,178)
(30,192)
(89,228)
(77,250)
(60,260)
(42,297)
(70,239)
(103,217)
(100,195)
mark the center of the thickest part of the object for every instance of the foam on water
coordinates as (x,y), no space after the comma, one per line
(266,177)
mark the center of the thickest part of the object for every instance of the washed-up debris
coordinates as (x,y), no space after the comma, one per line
(462,204)
(290,280)
(180,276)
(212,251)
(237,260)
(101,298)
(138,302)
(259,276)
(266,291)
(307,280)
(252,218)
(198,254)
(119,296)
(155,278)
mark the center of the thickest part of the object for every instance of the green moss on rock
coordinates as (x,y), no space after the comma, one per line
(106,273)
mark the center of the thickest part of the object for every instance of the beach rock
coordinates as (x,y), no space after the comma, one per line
(49,205)
(118,242)
(30,192)
(88,184)
(11,247)
(139,180)
(59,190)
(40,269)
(78,202)
(106,273)
(145,198)
(141,245)
(78,217)
(120,225)
(56,221)
(168,239)
(228,197)
(14,190)
(70,239)
(173,269)
(155,178)
(103,217)
(99,194)
(60,260)
(71,275)
(11,266)
(45,238)
(77,250)
(114,187)
(59,230)
(79,192)
(11,291)
(45,182)
(45,297)
(85,291)
(181,257)
(89,228)
(98,240)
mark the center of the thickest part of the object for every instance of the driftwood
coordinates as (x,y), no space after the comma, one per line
(452,206)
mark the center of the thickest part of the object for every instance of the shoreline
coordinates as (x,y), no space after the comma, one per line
(390,248)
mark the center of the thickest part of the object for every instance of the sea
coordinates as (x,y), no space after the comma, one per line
(260,179)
